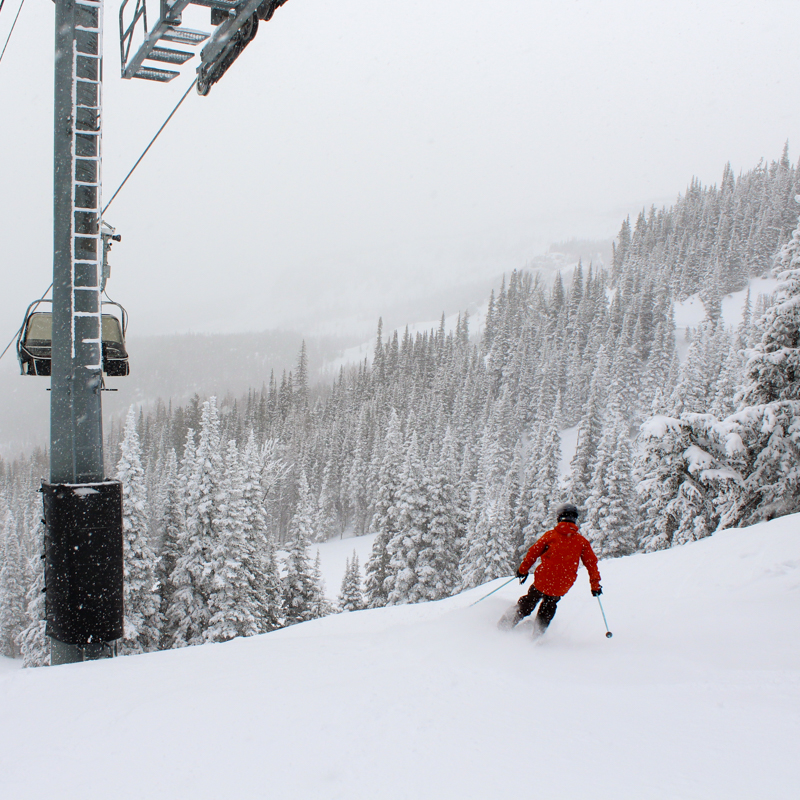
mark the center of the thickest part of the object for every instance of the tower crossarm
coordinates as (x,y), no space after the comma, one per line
(236,23)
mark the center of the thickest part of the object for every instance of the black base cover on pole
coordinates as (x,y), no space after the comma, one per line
(83,561)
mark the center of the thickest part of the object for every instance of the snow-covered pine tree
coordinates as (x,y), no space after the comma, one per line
(660,472)
(662,358)
(271,591)
(409,535)
(358,478)
(325,515)
(439,553)
(232,601)
(141,600)
(321,605)
(489,551)
(610,522)
(171,526)
(258,472)
(523,483)
(384,523)
(275,471)
(33,643)
(489,547)
(625,370)
(589,432)
(12,584)
(189,613)
(300,586)
(306,511)
(695,389)
(729,381)
(546,478)
(351,597)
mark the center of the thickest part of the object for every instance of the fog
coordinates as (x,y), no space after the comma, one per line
(361,157)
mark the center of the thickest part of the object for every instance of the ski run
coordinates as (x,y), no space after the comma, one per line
(697,696)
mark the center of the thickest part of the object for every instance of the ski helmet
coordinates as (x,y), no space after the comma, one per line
(567,513)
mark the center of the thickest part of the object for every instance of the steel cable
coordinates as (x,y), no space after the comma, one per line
(144,152)
(13,25)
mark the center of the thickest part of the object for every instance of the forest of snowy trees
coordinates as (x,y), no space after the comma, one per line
(447,446)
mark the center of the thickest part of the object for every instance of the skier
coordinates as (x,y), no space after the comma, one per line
(560,550)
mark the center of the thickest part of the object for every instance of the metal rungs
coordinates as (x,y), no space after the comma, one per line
(184,36)
(170,56)
(160,75)
(226,5)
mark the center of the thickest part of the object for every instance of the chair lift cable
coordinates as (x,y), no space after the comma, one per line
(144,152)
(13,25)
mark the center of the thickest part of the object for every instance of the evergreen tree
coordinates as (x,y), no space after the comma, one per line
(12,585)
(351,597)
(142,624)
(306,513)
(410,531)
(660,473)
(259,473)
(610,523)
(589,432)
(301,599)
(189,613)
(232,602)
(489,550)
(171,530)
(33,643)
(544,477)
(439,549)
(385,520)
(321,605)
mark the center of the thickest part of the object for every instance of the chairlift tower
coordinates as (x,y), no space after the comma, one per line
(83,511)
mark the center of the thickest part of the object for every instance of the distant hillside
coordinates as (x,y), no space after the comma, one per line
(175,366)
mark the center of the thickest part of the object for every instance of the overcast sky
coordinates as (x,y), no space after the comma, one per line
(361,154)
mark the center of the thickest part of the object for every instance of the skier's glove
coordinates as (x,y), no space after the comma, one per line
(597,592)
(523,576)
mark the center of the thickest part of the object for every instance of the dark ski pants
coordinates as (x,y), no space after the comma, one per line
(547,610)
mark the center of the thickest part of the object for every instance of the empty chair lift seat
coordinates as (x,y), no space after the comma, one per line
(35,345)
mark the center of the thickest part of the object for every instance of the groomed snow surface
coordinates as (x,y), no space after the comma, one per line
(696,696)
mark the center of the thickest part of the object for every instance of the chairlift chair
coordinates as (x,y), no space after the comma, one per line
(35,345)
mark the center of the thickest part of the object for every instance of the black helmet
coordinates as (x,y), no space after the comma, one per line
(567,512)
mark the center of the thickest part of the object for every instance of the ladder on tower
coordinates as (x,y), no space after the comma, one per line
(235,23)
(85,177)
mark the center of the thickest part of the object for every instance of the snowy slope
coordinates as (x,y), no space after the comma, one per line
(691,312)
(696,696)
(334,555)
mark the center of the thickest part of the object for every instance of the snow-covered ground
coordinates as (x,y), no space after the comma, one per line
(697,696)
(334,555)
(691,312)
(569,444)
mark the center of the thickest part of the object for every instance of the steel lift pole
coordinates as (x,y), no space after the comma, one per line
(83,511)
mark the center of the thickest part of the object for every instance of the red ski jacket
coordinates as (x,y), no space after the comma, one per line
(560,550)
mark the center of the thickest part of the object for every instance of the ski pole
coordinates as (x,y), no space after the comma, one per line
(608,632)
(492,592)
